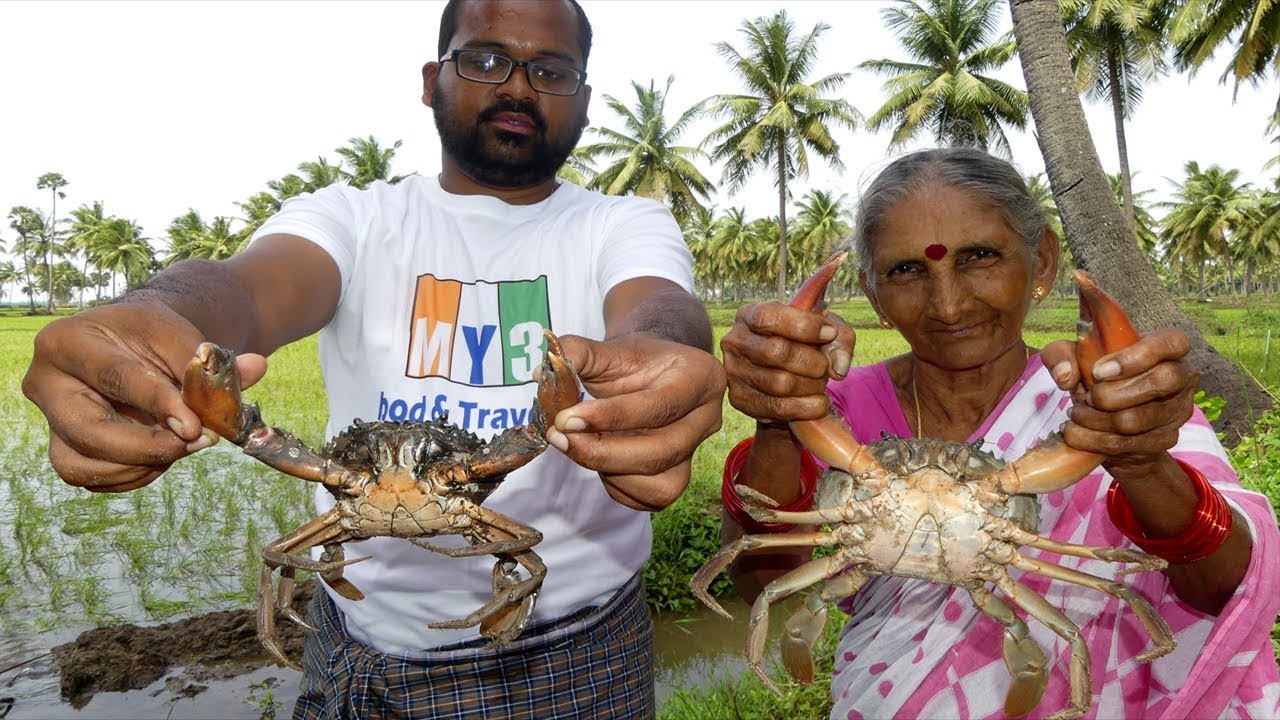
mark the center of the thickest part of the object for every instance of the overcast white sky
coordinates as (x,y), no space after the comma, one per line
(155,107)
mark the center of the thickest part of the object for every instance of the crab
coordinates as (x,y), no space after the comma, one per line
(946,512)
(406,479)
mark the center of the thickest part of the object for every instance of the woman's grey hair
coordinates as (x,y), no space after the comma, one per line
(974,171)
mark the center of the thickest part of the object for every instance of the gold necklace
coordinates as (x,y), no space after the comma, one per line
(915,394)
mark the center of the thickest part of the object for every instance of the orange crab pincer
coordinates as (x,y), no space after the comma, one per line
(406,479)
(946,512)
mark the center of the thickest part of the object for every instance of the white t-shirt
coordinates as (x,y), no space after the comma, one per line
(443,301)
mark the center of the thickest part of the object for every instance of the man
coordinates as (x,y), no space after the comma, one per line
(429,297)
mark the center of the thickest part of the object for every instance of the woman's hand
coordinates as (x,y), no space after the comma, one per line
(777,360)
(1144,394)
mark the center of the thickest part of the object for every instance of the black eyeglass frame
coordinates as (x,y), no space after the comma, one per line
(528,66)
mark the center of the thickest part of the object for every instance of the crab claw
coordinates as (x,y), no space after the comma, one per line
(558,385)
(828,438)
(1103,326)
(211,388)
(558,388)
(1053,465)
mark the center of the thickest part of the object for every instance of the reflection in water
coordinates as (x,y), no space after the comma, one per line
(72,560)
(690,649)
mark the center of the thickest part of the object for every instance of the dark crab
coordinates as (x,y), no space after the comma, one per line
(406,479)
(946,512)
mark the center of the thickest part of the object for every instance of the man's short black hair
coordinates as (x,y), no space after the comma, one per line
(449,26)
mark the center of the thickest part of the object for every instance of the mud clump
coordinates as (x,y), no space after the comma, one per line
(214,646)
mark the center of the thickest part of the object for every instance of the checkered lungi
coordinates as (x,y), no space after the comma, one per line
(596,664)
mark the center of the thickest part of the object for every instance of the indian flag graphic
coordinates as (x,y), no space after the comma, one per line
(480,333)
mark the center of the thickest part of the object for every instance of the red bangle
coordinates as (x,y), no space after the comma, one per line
(809,472)
(1204,536)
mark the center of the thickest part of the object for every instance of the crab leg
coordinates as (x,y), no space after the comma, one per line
(1053,465)
(781,588)
(1023,657)
(710,569)
(828,438)
(511,593)
(211,387)
(1155,625)
(802,630)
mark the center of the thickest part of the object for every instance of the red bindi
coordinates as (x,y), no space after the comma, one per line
(935,251)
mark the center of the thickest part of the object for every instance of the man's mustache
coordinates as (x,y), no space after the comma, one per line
(514,106)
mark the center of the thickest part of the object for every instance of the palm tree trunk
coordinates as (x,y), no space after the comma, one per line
(782,217)
(26,271)
(48,249)
(1100,238)
(1122,145)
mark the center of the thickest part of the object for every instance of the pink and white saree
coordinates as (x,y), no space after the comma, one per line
(915,649)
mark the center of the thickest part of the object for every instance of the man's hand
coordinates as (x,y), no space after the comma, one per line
(108,381)
(653,401)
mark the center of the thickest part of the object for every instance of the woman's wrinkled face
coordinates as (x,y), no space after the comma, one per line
(954,278)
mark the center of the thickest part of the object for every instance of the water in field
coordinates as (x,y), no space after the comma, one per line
(72,560)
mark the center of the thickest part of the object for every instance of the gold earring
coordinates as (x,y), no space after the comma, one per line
(1039,293)
(884,323)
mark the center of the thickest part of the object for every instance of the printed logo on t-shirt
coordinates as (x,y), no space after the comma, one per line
(482,333)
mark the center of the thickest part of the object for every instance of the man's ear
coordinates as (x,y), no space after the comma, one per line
(430,73)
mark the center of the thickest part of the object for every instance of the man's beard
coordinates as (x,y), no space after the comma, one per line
(507,160)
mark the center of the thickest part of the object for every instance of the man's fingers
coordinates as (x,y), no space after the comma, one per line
(117,379)
(98,475)
(252,367)
(91,425)
(649,492)
(642,453)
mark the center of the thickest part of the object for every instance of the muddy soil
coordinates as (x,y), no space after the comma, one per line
(216,646)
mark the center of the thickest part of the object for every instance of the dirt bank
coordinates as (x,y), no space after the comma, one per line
(215,646)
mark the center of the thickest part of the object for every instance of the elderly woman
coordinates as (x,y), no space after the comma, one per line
(953,251)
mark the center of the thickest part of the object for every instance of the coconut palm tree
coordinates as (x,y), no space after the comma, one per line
(1207,207)
(823,222)
(191,237)
(86,223)
(29,223)
(122,249)
(318,173)
(1116,47)
(945,88)
(699,231)
(645,157)
(781,116)
(1257,236)
(364,161)
(735,249)
(53,182)
(1095,226)
(9,275)
(1199,28)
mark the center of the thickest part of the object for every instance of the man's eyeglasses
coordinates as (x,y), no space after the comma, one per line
(492,68)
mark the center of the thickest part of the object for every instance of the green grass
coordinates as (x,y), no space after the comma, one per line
(188,542)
